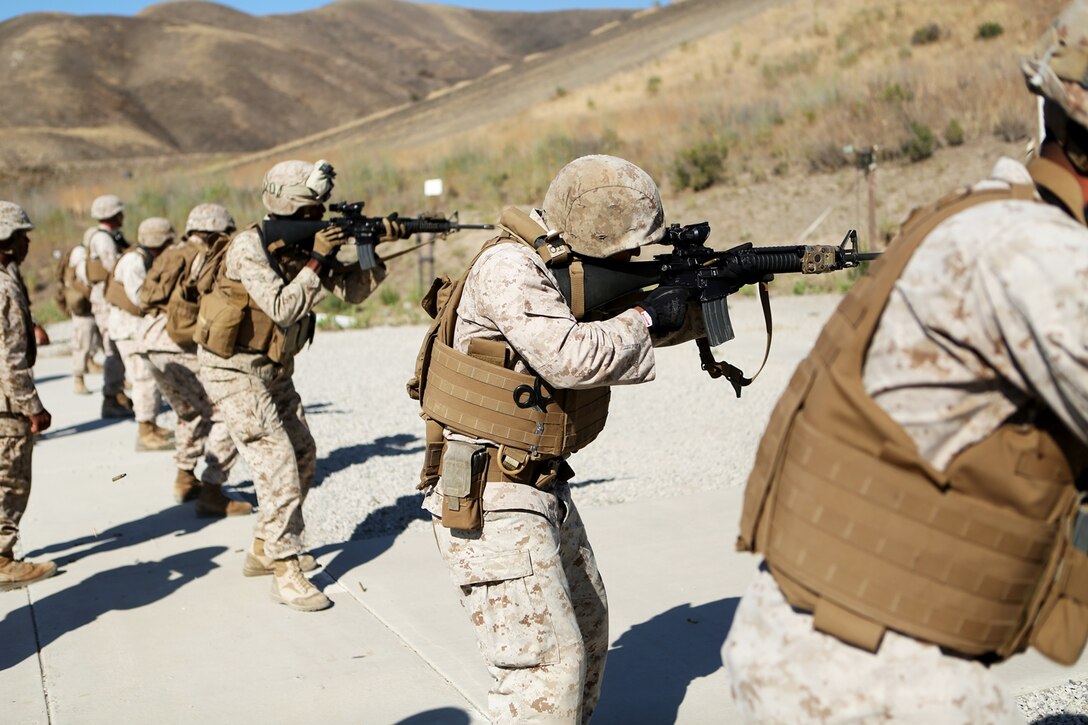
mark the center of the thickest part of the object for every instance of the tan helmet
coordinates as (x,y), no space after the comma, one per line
(209,218)
(155,232)
(1058,71)
(106,206)
(12,219)
(292,185)
(602,205)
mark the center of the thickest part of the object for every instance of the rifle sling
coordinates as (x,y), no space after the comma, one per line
(723,369)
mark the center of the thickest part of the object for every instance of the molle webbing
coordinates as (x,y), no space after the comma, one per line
(476,398)
(861,530)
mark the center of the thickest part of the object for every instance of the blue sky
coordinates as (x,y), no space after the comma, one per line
(11,8)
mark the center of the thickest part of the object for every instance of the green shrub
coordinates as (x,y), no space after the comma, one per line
(953,133)
(926,34)
(893,92)
(1011,128)
(389,295)
(989,30)
(700,166)
(922,142)
(653,85)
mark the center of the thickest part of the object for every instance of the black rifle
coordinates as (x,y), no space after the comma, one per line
(709,274)
(364,230)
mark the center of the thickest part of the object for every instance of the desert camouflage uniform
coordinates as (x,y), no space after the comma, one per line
(987,318)
(18,399)
(529,580)
(85,335)
(101,246)
(124,331)
(257,397)
(200,429)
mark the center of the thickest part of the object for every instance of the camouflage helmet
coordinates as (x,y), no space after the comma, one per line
(1058,71)
(602,205)
(293,185)
(106,206)
(209,218)
(155,232)
(12,219)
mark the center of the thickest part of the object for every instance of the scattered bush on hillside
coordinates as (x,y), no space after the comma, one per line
(921,144)
(826,157)
(953,133)
(653,85)
(1011,128)
(926,34)
(989,30)
(700,166)
(894,93)
(802,62)
(560,92)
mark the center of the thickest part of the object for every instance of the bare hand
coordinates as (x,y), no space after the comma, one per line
(40,422)
(40,335)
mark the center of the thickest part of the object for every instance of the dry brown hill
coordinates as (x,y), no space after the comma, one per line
(196,77)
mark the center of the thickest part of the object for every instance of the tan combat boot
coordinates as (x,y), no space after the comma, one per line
(93,367)
(212,502)
(15,574)
(290,587)
(150,437)
(186,486)
(117,406)
(258,563)
(80,386)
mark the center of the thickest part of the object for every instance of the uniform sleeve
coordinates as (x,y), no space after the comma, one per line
(521,300)
(1036,332)
(131,273)
(285,302)
(16,375)
(103,247)
(78,261)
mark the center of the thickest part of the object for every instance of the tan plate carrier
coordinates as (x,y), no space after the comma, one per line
(115,290)
(229,321)
(473,394)
(859,529)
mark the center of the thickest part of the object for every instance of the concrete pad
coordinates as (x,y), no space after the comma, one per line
(151,620)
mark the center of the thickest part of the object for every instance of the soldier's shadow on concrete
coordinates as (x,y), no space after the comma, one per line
(84,427)
(438,716)
(50,378)
(175,520)
(1062,719)
(324,408)
(652,664)
(374,535)
(126,587)
(401,444)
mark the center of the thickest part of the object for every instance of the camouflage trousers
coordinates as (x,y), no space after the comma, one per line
(264,415)
(784,671)
(113,368)
(531,588)
(16,446)
(85,339)
(146,399)
(200,430)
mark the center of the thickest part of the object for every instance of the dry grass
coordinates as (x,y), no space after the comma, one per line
(782,92)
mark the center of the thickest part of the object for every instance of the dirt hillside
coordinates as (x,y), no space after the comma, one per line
(196,77)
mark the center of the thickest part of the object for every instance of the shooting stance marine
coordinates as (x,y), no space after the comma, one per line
(254,317)
(169,302)
(125,322)
(105,243)
(510,384)
(915,496)
(21,411)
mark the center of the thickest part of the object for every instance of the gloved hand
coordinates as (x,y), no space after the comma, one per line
(667,308)
(394,230)
(327,241)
